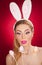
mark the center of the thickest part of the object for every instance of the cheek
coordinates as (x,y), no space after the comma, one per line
(18,37)
(29,37)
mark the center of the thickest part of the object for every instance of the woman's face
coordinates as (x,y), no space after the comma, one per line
(23,34)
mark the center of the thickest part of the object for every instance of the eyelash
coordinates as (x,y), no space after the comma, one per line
(27,32)
(18,33)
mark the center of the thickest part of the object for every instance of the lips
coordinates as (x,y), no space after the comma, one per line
(23,41)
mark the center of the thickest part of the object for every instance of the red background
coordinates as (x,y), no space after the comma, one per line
(7,21)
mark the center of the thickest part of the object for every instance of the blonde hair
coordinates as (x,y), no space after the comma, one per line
(16,43)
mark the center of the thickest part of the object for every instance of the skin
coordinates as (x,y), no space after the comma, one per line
(23,32)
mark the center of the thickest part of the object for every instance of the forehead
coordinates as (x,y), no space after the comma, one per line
(23,27)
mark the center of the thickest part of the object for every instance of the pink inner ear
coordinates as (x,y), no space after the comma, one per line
(26,9)
(15,11)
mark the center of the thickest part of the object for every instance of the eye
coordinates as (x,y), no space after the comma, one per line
(27,32)
(18,33)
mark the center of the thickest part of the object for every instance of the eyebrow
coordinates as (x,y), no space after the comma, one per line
(19,30)
(25,30)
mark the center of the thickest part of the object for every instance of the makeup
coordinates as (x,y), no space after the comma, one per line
(23,41)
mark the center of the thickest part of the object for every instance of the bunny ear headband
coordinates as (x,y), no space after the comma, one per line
(26,10)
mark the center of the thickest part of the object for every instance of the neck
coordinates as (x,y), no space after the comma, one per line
(26,48)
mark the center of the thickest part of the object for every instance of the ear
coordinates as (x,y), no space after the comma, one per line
(26,9)
(15,11)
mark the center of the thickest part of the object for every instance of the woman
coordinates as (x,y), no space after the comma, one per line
(24,53)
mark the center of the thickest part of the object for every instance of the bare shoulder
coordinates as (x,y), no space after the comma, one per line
(40,53)
(8,59)
(39,50)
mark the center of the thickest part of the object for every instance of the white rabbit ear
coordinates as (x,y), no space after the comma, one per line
(26,9)
(15,10)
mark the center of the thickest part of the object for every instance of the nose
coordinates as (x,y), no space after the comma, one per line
(23,36)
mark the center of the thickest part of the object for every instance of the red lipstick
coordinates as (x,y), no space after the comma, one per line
(23,41)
